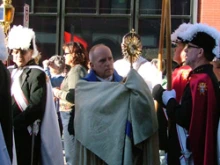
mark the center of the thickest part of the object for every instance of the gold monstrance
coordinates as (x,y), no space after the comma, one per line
(6,15)
(131,46)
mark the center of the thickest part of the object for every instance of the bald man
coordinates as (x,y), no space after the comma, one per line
(101,63)
(115,123)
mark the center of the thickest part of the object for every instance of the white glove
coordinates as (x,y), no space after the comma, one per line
(167,95)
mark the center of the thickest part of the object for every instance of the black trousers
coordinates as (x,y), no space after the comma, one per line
(23,144)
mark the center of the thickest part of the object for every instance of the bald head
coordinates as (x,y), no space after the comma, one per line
(101,60)
(97,50)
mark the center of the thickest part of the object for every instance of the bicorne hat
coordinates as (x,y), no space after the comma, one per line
(23,38)
(181,29)
(203,36)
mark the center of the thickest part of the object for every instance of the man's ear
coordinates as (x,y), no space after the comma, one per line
(201,52)
(91,65)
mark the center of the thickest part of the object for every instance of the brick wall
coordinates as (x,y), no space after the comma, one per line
(209,12)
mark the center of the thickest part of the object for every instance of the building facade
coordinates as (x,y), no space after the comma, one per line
(100,21)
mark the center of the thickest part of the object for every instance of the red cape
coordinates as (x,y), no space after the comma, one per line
(179,80)
(204,120)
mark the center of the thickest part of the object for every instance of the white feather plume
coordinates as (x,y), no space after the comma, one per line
(199,27)
(3,48)
(181,29)
(20,37)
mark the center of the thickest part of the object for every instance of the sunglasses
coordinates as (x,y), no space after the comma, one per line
(65,54)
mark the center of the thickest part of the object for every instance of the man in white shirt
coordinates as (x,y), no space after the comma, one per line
(148,71)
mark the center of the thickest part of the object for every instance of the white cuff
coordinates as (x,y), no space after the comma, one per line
(167,95)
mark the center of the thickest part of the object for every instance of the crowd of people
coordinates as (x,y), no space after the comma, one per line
(104,110)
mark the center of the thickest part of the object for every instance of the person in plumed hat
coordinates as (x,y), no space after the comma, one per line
(31,97)
(179,81)
(179,75)
(196,116)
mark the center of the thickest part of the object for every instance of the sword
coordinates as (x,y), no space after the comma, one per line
(35,130)
(32,147)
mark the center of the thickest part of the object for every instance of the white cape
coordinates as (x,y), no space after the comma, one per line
(51,144)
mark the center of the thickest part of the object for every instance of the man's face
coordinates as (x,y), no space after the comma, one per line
(102,62)
(179,53)
(21,57)
(192,52)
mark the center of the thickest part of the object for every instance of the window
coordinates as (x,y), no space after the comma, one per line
(115,6)
(46,6)
(80,6)
(150,7)
(19,5)
(99,21)
(149,30)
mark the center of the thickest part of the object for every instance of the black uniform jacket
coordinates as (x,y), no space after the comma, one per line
(33,85)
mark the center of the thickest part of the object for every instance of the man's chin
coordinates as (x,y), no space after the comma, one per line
(107,75)
(19,64)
